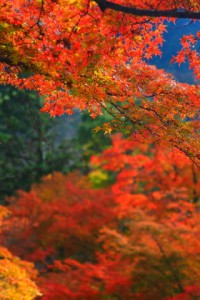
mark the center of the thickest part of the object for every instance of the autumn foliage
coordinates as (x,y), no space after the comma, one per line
(91,55)
(16,276)
(137,239)
(54,219)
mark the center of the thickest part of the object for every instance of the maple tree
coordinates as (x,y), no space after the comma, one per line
(53,219)
(92,55)
(157,191)
(137,239)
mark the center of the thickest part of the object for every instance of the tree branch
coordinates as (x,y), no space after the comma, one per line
(173,13)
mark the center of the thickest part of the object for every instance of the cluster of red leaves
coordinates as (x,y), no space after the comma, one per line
(54,219)
(138,239)
(189,51)
(152,173)
(78,56)
(63,46)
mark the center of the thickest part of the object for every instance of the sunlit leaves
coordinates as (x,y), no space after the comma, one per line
(79,56)
(15,280)
(16,276)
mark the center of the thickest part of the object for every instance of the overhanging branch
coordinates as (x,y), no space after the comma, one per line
(174,13)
